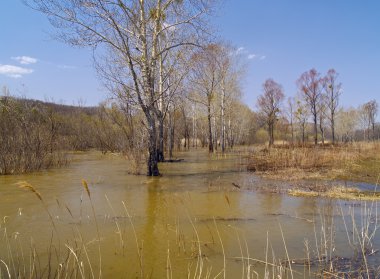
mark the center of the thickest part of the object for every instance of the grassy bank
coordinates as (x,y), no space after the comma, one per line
(358,162)
(315,168)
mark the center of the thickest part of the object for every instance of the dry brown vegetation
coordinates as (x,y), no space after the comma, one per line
(337,192)
(29,138)
(354,161)
(37,135)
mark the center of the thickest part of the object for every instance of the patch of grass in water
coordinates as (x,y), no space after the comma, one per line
(364,170)
(338,192)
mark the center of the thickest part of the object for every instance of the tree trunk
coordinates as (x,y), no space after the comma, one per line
(160,150)
(186,129)
(303,134)
(231,136)
(194,128)
(373,130)
(152,164)
(333,128)
(315,129)
(368,132)
(223,127)
(188,140)
(322,134)
(292,129)
(210,143)
(170,136)
(322,129)
(179,143)
(271,134)
(215,134)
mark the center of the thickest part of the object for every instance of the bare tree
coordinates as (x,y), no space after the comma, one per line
(205,80)
(364,121)
(225,69)
(322,115)
(311,86)
(269,104)
(241,123)
(333,90)
(173,69)
(301,115)
(232,71)
(370,110)
(291,113)
(132,34)
(347,123)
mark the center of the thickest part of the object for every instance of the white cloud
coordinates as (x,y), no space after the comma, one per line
(25,60)
(66,67)
(14,71)
(250,56)
(240,50)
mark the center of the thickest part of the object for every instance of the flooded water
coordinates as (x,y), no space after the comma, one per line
(202,218)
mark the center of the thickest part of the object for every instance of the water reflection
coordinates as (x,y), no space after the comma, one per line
(271,204)
(151,230)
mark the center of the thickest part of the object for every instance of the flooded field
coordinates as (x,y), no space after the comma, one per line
(202,219)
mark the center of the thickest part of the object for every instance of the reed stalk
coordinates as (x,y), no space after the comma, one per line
(85,186)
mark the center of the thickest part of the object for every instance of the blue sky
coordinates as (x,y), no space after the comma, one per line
(61,73)
(279,39)
(297,35)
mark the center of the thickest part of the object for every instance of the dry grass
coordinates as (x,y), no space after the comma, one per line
(356,161)
(337,192)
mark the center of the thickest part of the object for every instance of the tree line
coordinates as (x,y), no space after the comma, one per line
(317,100)
(35,135)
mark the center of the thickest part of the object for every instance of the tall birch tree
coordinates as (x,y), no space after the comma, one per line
(127,38)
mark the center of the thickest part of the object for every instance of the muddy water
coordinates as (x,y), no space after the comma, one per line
(191,221)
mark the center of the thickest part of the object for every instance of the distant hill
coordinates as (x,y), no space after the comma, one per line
(59,108)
